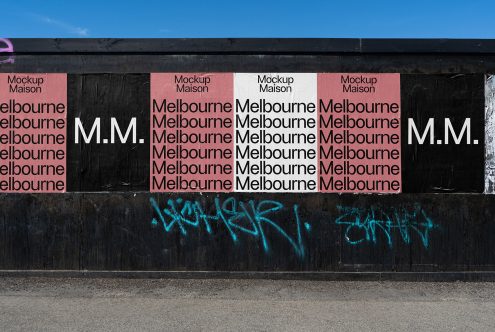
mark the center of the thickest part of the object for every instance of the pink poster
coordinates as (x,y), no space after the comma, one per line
(359,133)
(33,109)
(192,132)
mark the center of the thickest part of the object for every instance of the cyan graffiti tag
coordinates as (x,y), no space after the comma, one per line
(8,49)
(249,218)
(367,225)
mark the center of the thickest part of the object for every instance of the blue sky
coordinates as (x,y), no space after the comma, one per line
(254,18)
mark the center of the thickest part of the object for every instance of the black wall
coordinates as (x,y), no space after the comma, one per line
(100,231)
(442,221)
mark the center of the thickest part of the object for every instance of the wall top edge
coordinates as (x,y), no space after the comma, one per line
(246,46)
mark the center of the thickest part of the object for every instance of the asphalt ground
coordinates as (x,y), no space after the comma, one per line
(92,304)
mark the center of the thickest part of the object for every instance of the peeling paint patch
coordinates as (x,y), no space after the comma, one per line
(490,135)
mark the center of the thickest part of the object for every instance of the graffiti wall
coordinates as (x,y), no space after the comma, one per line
(247,232)
(229,160)
(8,49)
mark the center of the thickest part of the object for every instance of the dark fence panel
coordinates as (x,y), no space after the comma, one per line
(116,231)
(118,225)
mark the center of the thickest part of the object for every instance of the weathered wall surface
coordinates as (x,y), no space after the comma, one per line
(272,232)
(108,219)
